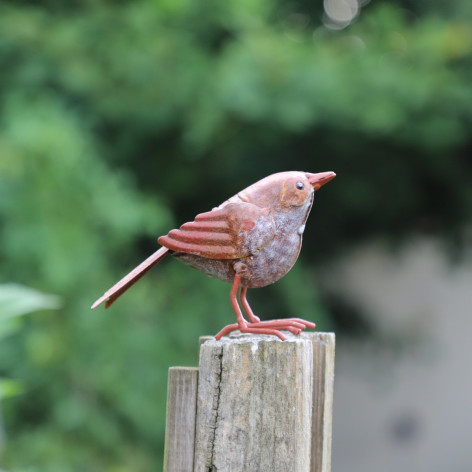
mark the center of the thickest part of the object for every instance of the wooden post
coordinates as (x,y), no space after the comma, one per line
(254,405)
(180,419)
(262,405)
(323,383)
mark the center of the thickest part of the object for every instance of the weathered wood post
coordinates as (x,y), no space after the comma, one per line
(180,419)
(322,416)
(262,405)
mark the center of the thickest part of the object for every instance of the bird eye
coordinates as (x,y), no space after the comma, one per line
(300,185)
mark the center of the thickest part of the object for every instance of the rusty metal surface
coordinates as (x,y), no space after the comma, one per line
(251,240)
(257,233)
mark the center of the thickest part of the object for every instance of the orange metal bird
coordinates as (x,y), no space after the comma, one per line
(251,240)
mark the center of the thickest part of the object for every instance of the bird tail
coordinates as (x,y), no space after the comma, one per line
(125,283)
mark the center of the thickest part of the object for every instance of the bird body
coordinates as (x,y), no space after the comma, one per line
(251,240)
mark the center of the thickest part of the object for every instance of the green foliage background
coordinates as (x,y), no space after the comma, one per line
(121,120)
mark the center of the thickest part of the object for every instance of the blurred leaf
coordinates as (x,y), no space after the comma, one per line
(16,300)
(9,388)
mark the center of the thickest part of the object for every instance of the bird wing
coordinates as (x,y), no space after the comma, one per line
(233,231)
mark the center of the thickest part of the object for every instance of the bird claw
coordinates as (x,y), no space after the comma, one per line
(272,327)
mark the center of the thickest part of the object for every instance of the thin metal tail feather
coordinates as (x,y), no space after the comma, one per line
(128,280)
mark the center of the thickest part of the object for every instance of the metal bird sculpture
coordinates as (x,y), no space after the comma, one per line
(251,240)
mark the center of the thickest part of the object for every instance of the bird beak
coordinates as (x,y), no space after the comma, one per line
(317,180)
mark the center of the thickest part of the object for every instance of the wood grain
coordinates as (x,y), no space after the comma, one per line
(180,419)
(322,416)
(255,405)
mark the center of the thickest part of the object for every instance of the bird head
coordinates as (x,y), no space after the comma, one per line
(285,190)
(298,187)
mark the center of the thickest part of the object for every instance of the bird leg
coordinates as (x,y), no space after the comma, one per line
(242,324)
(294,325)
(247,309)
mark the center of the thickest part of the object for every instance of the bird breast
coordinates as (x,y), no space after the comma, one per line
(278,257)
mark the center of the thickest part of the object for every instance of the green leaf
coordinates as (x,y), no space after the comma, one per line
(17,300)
(10,388)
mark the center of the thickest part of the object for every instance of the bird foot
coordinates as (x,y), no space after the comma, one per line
(273,327)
